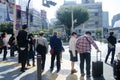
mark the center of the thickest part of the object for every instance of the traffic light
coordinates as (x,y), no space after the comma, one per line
(48,3)
(51,3)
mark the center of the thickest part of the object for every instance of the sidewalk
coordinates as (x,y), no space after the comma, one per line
(10,70)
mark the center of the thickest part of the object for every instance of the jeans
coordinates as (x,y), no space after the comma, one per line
(85,56)
(113,54)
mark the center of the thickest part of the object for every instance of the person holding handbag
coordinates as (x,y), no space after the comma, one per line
(56,46)
(111,47)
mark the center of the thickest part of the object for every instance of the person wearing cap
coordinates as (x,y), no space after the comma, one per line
(83,45)
(43,41)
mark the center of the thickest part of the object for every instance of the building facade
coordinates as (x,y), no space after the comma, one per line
(94,24)
(115,19)
(44,19)
(35,20)
(3,12)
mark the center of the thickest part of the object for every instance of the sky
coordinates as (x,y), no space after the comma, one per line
(112,6)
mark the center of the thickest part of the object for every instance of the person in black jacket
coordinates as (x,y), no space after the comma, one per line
(11,42)
(31,52)
(111,47)
(22,41)
(56,44)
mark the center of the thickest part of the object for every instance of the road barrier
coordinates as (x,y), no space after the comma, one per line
(39,67)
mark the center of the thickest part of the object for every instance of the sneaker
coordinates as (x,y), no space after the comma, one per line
(22,70)
(33,64)
(42,71)
(58,70)
(88,76)
(82,74)
(73,71)
(51,70)
(28,65)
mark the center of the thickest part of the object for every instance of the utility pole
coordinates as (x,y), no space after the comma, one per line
(14,24)
(27,11)
(72,17)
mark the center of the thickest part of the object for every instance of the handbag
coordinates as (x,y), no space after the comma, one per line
(51,51)
(31,54)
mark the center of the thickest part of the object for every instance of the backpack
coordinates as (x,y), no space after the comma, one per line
(10,42)
(1,43)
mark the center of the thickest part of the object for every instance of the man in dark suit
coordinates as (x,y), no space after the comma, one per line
(22,42)
(56,44)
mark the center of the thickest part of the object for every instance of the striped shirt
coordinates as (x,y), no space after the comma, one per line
(84,42)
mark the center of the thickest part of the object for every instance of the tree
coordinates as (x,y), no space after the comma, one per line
(64,16)
(6,27)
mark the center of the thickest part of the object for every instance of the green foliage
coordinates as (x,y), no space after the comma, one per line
(6,27)
(64,16)
(37,32)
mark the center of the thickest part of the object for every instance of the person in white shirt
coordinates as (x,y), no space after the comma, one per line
(73,51)
(5,41)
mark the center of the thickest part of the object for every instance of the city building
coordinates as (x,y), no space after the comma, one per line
(34,20)
(3,12)
(115,19)
(94,24)
(70,2)
(44,19)
(105,19)
(87,1)
(105,24)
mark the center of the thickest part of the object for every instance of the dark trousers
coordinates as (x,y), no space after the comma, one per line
(57,56)
(12,47)
(0,50)
(23,57)
(43,61)
(85,56)
(5,52)
(113,54)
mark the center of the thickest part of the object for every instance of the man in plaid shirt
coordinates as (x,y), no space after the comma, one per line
(83,45)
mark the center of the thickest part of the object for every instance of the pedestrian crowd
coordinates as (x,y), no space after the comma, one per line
(27,45)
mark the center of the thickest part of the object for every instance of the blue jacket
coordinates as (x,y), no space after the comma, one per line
(56,43)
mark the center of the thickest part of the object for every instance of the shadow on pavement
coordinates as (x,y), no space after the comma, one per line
(71,77)
(7,67)
(99,78)
(64,71)
(30,76)
(11,75)
(49,76)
